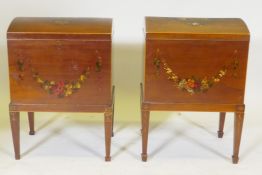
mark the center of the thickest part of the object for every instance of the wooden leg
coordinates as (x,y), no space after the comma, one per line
(220,131)
(141,104)
(141,130)
(113,110)
(113,118)
(31,123)
(108,132)
(15,126)
(238,125)
(141,115)
(145,127)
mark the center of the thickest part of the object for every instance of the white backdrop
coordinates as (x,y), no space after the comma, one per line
(128,19)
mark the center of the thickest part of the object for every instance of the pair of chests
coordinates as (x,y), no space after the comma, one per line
(65,65)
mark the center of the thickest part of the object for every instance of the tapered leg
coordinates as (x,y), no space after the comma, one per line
(238,125)
(141,115)
(113,118)
(113,110)
(108,132)
(145,127)
(220,131)
(141,130)
(15,126)
(141,104)
(31,120)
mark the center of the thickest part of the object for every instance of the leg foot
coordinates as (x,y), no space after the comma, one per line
(144,157)
(17,157)
(235,160)
(31,132)
(220,134)
(31,120)
(107,159)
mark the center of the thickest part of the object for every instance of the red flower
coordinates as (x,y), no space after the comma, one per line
(196,85)
(58,88)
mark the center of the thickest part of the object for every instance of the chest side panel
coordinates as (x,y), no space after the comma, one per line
(60,71)
(195,71)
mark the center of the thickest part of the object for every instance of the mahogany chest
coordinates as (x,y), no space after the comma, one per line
(60,65)
(195,64)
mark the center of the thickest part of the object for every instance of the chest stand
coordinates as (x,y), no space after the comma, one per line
(15,109)
(239,110)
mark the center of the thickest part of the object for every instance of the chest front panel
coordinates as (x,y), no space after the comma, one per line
(60,71)
(195,71)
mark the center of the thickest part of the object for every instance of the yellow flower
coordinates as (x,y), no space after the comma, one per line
(204,81)
(82,78)
(222,72)
(216,80)
(39,80)
(173,77)
(46,87)
(182,84)
(77,85)
(68,86)
(168,70)
(68,92)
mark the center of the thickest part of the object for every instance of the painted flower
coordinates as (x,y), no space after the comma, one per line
(82,78)
(182,84)
(68,90)
(197,85)
(58,88)
(39,80)
(216,80)
(191,83)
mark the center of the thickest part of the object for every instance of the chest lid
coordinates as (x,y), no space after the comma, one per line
(60,28)
(196,28)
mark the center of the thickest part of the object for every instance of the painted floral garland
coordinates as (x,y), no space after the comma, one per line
(195,85)
(61,88)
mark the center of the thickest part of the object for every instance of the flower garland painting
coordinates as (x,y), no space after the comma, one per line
(61,88)
(195,85)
